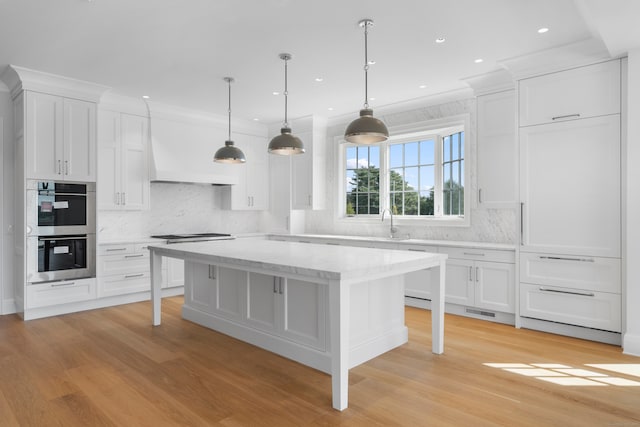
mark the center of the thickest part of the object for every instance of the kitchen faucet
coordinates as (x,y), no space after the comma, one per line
(392,230)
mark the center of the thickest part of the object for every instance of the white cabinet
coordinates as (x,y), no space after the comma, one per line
(497,144)
(570,228)
(123,172)
(418,283)
(308,177)
(174,273)
(122,269)
(60,138)
(252,190)
(570,187)
(61,292)
(480,278)
(578,93)
(287,308)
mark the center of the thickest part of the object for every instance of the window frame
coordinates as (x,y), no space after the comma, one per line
(413,133)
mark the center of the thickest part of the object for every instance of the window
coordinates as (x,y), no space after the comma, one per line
(421,175)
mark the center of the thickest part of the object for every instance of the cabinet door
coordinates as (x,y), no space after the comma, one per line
(497,145)
(579,93)
(79,163)
(495,286)
(43,136)
(135,165)
(304,311)
(200,293)
(262,293)
(258,174)
(570,187)
(175,272)
(108,184)
(459,286)
(230,293)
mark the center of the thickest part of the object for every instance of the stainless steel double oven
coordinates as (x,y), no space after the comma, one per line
(61,224)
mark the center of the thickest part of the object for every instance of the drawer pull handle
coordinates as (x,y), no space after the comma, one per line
(417,250)
(116,249)
(473,254)
(584,294)
(130,276)
(57,285)
(134,256)
(565,117)
(212,272)
(559,258)
(333,244)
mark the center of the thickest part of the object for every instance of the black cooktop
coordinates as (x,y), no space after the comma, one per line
(189,236)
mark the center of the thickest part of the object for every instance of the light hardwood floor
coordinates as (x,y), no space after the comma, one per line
(111,367)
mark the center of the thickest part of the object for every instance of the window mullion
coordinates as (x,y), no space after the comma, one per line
(437,194)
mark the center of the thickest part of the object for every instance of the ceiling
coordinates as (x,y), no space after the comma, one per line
(178,52)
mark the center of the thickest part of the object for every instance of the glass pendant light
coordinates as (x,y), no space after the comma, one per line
(229,153)
(366,129)
(286,143)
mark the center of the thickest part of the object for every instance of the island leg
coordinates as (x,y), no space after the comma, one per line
(437,312)
(156,282)
(339,333)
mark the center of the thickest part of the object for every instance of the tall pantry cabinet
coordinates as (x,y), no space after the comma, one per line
(570,206)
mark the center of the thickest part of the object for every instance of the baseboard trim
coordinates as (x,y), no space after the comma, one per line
(8,306)
(631,344)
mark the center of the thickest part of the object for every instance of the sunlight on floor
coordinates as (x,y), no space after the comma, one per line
(571,376)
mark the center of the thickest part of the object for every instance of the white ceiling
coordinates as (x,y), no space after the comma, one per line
(177,52)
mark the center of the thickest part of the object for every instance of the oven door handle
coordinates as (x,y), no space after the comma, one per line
(62,238)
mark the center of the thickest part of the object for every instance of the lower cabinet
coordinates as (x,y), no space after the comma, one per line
(122,269)
(62,292)
(289,308)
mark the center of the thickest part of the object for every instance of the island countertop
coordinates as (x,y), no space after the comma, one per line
(320,261)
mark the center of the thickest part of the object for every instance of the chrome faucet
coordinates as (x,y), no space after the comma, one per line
(392,230)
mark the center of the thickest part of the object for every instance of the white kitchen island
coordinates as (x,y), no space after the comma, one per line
(329,307)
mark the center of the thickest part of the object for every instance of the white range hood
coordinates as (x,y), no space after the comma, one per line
(182,150)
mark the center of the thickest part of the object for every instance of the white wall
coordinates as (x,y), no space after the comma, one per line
(487,225)
(177,208)
(631,339)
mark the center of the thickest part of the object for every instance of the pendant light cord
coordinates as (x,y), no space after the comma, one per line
(229,110)
(286,94)
(366,66)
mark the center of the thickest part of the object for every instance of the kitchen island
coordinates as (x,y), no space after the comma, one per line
(331,308)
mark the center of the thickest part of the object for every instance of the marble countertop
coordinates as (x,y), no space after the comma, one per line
(401,242)
(319,261)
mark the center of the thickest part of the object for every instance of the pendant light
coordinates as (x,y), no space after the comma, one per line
(286,143)
(366,129)
(229,153)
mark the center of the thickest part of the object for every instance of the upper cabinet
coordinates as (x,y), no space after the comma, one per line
(60,138)
(308,177)
(252,190)
(574,94)
(123,172)
(497,144)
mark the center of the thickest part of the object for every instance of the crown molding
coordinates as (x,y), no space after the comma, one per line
(495,81)
(19,79)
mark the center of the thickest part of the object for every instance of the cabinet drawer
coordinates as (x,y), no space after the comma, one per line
(419,248)
(123,264)
(116,249)
(124,284)
(479,254)
(46,294)
(573,94)
(575,272)
(590,309)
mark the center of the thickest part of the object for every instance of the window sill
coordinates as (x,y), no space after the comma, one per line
(409,222)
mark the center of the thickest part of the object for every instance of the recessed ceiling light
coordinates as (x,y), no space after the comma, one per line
(255,119)
(319,79)
(543,30)
(372,99)
(371,62)
(422,86)
(330,108)
(275,93)
(440,40)
(479,60)
(145,96)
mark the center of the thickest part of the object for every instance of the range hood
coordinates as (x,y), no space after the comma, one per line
(182,151)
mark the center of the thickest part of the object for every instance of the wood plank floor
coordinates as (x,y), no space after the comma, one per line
(110,367)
